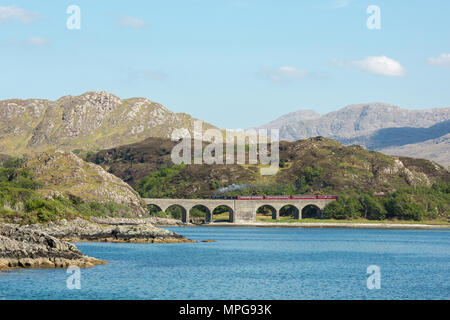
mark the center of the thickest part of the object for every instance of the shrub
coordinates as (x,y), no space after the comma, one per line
(158,183)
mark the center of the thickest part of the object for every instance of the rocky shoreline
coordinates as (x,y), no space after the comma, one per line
(21,247)
(109,230)
(48,246)
(155,221)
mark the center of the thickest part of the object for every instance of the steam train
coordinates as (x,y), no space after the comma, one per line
(309,197)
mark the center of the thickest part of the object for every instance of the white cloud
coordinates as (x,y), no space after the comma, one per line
(287,73)
(38,41)
(381,65)
(131,22)
(443,60)
(13,13)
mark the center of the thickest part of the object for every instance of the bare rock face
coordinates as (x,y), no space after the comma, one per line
(94,120)
(21,247)
(63,173)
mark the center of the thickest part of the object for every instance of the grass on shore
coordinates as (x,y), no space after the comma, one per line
(267,219)
(222,217)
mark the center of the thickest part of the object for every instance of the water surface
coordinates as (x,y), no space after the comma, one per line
(254,263)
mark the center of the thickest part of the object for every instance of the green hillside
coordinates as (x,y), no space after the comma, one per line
(61,186)
(312,166)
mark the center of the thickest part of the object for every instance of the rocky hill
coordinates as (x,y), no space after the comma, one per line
(92,121)
(324,164)
(64,174)
(60,185)
(377,126)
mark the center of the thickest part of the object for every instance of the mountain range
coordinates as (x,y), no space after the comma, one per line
(98,120)
(376,126)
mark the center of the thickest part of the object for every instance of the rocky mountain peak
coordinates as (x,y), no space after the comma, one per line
(90,121)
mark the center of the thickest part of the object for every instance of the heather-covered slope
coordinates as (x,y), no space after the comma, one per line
(324,165)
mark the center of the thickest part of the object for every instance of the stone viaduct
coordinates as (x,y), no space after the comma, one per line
(241,210)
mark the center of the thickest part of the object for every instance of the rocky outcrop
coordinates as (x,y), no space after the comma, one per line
(65,174)
(48,246)
(92,121)
(22,247)
(109,230)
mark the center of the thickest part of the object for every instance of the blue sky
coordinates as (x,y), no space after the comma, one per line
(234,63)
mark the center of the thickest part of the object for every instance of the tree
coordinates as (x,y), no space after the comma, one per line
(335,210)
(400,206)
(353,207)
(371,208)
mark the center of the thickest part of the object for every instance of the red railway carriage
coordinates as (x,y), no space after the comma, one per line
(306,197)
(327,197)
(250,197)
(277,197)
(303,197)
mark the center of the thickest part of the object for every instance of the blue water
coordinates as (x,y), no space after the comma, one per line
(254,263)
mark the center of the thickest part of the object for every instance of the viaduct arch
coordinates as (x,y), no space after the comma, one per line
(243,210)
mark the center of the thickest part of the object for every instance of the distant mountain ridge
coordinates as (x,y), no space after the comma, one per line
(377,126)
(92,121)
(435,149)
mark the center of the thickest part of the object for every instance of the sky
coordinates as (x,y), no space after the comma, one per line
(233,63)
